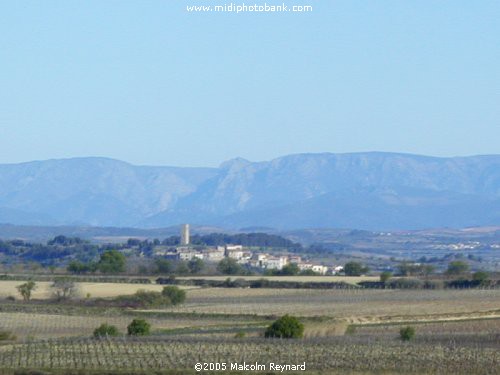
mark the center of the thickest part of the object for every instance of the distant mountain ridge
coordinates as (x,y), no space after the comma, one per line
(373,190)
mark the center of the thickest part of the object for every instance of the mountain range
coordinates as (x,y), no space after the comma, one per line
(373,190)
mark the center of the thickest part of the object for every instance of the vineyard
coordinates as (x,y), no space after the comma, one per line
(344,303)
(346,354)
(347,331)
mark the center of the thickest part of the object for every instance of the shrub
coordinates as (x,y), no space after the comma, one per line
(350,330)
(405,283)
(105,330)
(143,298)
(240,335)
(385,276)
(407,333)
(26,289)
(229,266)
(7,336)
(64,288)
(112,261)
(457,268)
(481,277)
(138,327)
(286,327)
(175,294)
(355,269)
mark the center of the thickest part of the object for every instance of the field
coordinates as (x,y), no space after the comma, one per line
(347,331)
(96,290)
(351,304)
(313,279)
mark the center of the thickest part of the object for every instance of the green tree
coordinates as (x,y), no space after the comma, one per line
(290,269)
(286,327)
(407,333)
(481,276)
(78,267)
(106,330)
(385,276)
(163,266)
(355,269)
(195,265)
(229,266)
(139,327)
(181,268)
(457,268)
(175,294)
(112,261)
(26,289)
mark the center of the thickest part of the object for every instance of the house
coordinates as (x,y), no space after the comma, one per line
(322,270)
(275,263)
(214,254)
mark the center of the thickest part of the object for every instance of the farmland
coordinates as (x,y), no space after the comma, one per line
(101,290)
(347,331)
(355,304)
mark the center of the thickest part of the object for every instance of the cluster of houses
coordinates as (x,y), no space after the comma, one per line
(243,256)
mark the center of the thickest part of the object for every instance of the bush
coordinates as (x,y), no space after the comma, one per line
(355,269)
(481,277)
(26,289)
(385,276)
(138,327)
(404,283)
(112,261)
(240,335)
(407,333)
(287,327)
(144,299)
(229,266)
(350,330)
(106,330)
(64,288)
(457,268)
(175,294)
(7,336)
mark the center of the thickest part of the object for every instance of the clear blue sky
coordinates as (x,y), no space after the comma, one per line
(149,83)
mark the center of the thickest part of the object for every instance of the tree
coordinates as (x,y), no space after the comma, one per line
(407,333)
(138,327)
(26,289)
(195,265)
(290,269)
(229,266)
(175,294)
(64,288)
(385,276)
(355,269)
(286,327)
(481,277)
(163,266)
(78,267)
(457,268)
(106,330)
(181,268)
(112,261)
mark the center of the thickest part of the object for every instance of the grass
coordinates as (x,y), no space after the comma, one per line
(97,290)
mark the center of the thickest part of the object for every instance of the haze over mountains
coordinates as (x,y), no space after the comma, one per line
(378,191)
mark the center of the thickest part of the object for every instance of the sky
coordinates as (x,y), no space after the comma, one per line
(150,83)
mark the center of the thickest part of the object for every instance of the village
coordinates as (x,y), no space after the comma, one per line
(241,254)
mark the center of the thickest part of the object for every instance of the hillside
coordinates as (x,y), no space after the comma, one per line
(358,190)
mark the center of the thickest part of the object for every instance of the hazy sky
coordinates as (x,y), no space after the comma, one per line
(149,83)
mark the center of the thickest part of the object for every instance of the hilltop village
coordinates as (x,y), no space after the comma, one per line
(241,254)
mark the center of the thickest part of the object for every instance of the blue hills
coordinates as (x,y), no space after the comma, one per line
(373,190)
